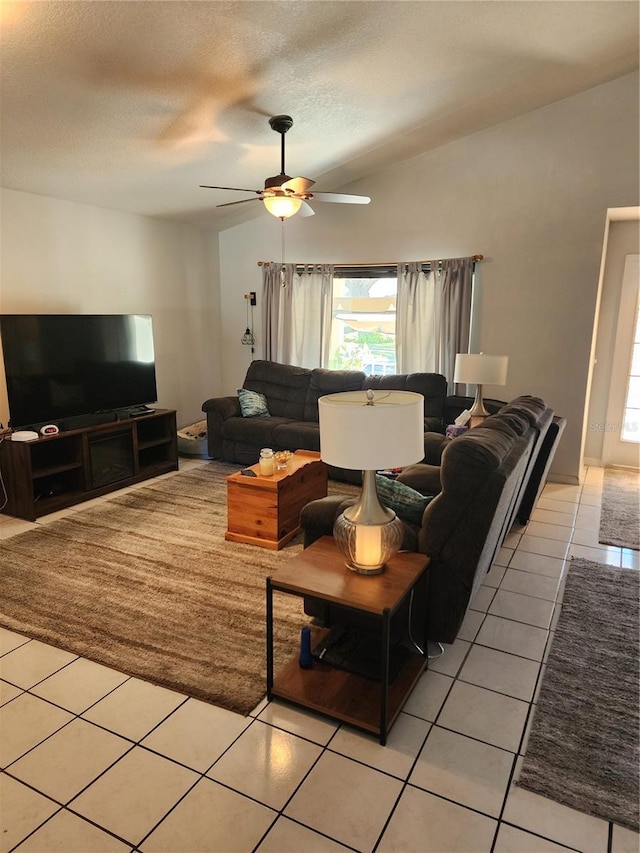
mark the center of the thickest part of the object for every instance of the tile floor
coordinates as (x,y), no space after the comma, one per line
(96,761)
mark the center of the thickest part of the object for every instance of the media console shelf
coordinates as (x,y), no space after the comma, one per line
(57,471)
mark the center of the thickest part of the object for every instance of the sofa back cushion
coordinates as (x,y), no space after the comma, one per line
(432,386)
(284,385)
(329,382)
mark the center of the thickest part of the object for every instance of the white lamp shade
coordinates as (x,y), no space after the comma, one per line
(357,436)
(481,369)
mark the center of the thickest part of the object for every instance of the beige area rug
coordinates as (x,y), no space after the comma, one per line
(620,514)
(146,583)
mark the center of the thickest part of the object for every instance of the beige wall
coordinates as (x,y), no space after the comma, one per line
(531,195)
(61,257)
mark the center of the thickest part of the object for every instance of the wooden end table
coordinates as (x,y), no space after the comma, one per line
(265,511)
(320,571)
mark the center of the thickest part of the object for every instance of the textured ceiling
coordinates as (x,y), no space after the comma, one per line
(131,105)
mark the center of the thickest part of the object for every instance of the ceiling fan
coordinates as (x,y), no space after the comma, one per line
(284,196)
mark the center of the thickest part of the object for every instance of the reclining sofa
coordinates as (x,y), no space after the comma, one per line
(479,483)
(292,400)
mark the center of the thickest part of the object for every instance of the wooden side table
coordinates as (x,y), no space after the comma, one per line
(265,511)
(320,571)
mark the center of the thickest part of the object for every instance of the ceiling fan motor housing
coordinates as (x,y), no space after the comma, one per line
(281,124)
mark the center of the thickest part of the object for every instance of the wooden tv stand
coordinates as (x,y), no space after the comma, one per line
(58,471)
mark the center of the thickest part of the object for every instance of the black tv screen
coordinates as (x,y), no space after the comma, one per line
(62,365)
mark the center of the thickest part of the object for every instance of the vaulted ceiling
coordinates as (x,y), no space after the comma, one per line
(132,105)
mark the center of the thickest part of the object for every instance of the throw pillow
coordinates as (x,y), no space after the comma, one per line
(253,404)
(403,500)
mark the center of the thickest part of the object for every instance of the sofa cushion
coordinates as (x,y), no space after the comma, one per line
(297,435)
(432,386)
(284,385)
(253,404)
(407,504)
(255,431)
(329,382)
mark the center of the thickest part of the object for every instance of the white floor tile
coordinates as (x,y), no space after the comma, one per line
(286,836)
(481,601)
(503,556)
(428,695)
(605,554)
(522,608)
(502,672)
(494,576)
(466,771)
(471,625)
(79,685)
(23,810)
(484,715)
(24,723)
(10,640)
(630,559)
(299,722)
(423,822)
(396,758)
(547,547)
(527,641)
(452,658)
(561,824)
(134,708)
(14,526)
(557,506)
(8,692)
(513,840)
(210,818)
(539,564)
(70,760)
(266,763)
(558,532)
(196,734)
(625,840)
(31,662)
(131,797)
(342,799)
(562,492)
(549,516)
(68,833)
(530,583)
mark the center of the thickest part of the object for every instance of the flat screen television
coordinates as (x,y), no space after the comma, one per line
(64,365)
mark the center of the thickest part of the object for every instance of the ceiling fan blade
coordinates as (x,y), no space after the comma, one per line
(297,185)
(234,189)
(242,201)
(341,198)
(306,209)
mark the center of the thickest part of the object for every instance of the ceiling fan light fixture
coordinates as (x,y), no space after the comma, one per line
(283,206)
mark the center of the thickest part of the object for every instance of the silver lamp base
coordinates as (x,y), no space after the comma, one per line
(368,534)
(478,409)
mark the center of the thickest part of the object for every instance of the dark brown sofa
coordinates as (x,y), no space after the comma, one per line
(482,477)
(292,398)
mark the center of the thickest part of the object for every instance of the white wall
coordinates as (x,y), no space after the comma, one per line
(530,195)
(61,257)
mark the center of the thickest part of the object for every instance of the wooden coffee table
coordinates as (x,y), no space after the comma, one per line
(320,571)
(265,511)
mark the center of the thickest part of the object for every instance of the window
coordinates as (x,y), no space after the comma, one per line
(363,324)
(631,420)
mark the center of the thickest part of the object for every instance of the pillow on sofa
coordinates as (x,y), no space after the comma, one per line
(253,404)
(403,500)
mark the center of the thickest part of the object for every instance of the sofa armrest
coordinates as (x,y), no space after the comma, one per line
(423,478)
(218,410)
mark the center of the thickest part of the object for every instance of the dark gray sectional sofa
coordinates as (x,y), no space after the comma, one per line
(292,398)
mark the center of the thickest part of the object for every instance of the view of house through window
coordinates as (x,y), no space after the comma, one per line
(363,325)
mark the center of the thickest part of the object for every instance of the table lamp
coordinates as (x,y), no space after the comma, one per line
(370,431)
(482,370)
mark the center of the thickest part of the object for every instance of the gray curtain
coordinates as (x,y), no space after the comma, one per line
(433,315)
(296,314)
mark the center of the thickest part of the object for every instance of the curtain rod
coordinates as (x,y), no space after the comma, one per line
(390,264)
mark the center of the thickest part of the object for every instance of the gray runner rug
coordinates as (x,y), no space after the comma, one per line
(583,747)
(620,515)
